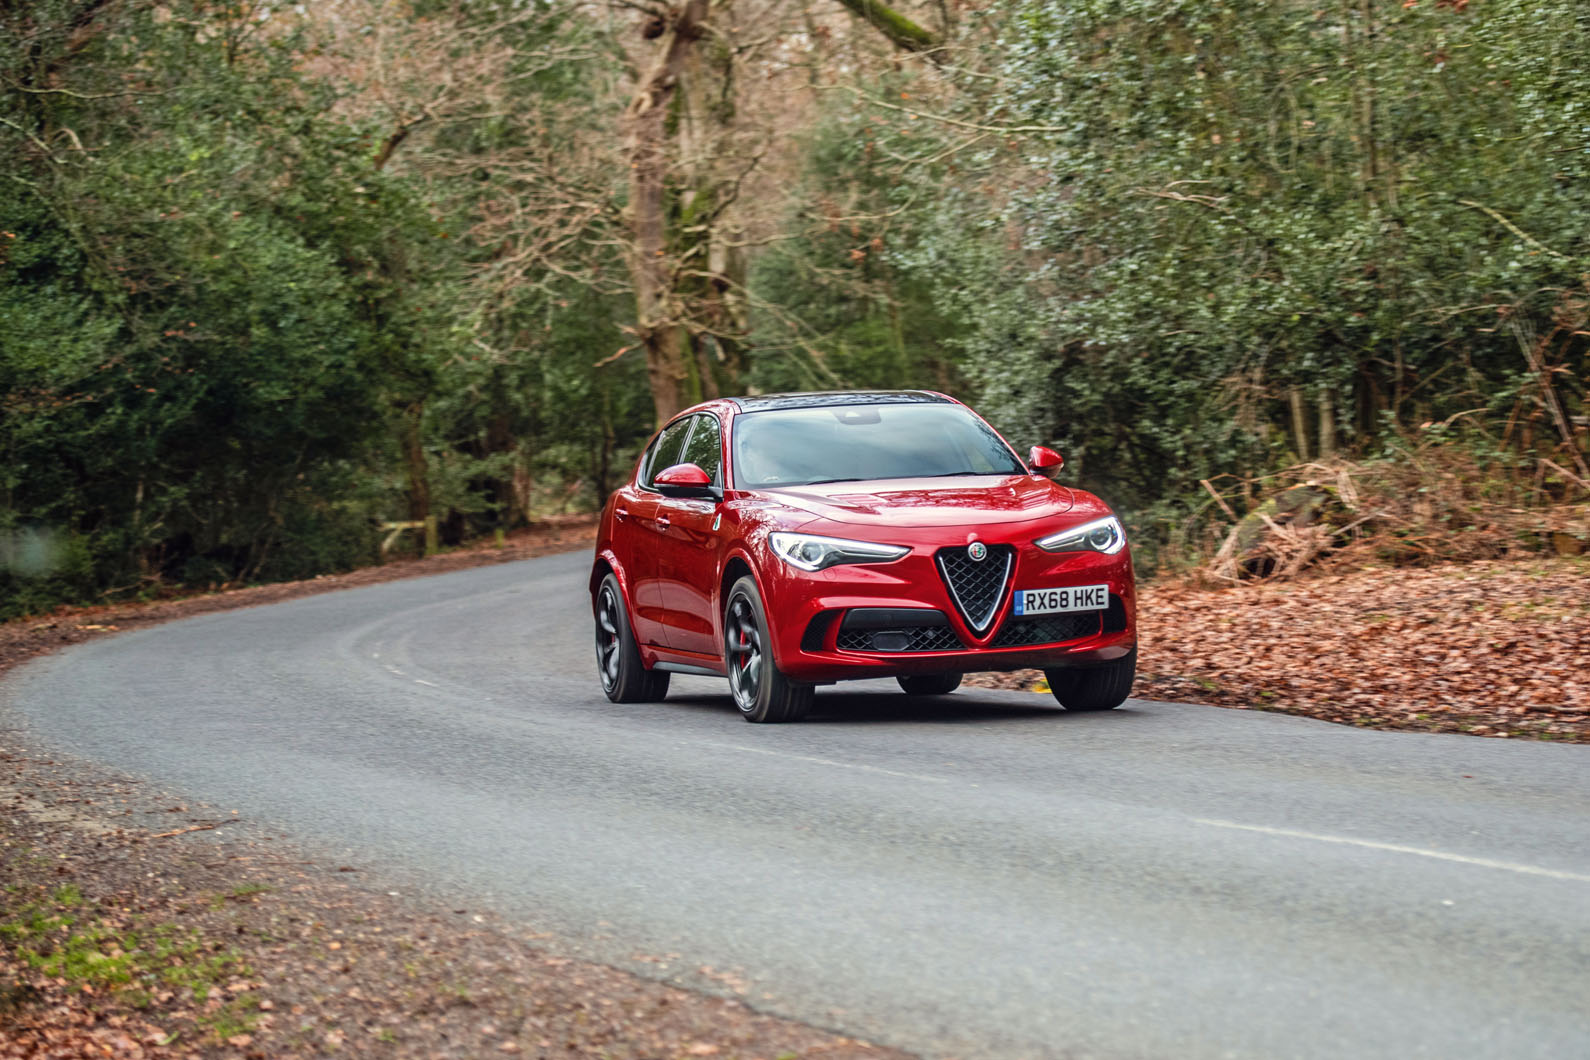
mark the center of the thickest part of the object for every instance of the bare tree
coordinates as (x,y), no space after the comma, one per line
(689,162)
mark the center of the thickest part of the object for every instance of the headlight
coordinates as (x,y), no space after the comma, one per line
(1101,535)
(809,552)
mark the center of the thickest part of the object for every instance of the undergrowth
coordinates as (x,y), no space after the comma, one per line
(1428,497)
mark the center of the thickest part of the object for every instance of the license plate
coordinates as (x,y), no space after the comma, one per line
(1057,601)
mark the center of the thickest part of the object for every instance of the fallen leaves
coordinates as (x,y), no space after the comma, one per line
(1493,648)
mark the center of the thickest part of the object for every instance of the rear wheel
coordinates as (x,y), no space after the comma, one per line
(929,684)
(1095,687)
(625,678)
(760,691)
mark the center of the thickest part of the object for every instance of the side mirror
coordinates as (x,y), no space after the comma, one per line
(685,480)
(1042,458)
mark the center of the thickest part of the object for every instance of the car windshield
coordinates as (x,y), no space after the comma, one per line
(856,443)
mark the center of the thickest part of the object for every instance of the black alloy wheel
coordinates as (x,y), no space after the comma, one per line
(929,684)
(1095,687)
(760,691)
(625,678)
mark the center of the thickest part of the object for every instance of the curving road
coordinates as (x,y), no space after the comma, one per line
(980,877)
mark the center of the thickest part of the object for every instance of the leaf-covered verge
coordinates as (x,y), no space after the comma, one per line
(135,926)
(1493,648)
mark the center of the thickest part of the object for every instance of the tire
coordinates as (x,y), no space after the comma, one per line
(625,678)
(1095,687)
(929,684)
(760,691)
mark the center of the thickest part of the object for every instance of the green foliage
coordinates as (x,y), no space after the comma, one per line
(1378,206)
(250,305)
(838,303)
(221,325)
(188,349)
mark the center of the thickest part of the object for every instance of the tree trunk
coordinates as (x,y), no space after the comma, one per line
(691,326)
(651,269)
(414,458)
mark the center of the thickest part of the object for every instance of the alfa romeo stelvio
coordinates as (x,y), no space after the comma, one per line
(794,540)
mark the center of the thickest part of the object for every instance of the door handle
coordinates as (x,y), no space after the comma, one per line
(621,513)
(664,522)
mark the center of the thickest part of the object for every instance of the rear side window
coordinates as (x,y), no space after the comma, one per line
(705,447)
(666,449)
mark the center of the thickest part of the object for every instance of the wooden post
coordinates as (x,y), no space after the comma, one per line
(431,543)
(1327,422)
(1299,424)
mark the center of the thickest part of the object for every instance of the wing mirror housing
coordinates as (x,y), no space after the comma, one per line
(686,480)
(1042,458)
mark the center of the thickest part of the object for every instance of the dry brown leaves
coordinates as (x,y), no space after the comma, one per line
(1494,648)
(56,1025)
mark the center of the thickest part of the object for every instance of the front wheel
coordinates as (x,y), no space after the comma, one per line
(760,691)
(929,684)
(1096,687)
(625,678)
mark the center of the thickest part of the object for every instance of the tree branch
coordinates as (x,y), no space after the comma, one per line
(900,30)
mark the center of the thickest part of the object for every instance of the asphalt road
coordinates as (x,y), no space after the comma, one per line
(983,876)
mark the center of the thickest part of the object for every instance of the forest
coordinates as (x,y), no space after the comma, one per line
(274,274)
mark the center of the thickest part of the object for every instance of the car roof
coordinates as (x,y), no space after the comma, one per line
(822,398)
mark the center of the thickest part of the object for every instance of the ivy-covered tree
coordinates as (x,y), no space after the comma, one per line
(1253,231)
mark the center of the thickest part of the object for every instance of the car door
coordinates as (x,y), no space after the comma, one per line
(688,561)
(637,535)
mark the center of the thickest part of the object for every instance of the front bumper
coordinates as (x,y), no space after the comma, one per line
(894,619)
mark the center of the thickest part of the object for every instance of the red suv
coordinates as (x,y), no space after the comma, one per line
(793,540)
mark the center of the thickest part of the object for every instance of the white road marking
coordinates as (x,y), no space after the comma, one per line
(418,681)
(1441,855)
(829,762)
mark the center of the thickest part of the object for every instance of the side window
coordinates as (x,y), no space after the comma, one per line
(705,447)
(666,449)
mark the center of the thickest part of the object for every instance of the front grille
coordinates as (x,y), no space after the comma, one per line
(1048,629)
(978,588)
(918,638)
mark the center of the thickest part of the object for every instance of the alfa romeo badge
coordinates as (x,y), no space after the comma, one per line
(977,551)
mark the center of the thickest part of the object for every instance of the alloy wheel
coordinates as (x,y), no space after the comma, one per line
(608,640)
(745,657)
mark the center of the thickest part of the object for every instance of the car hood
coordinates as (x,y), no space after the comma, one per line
(980,501)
